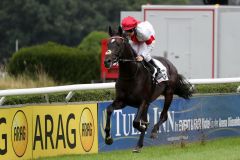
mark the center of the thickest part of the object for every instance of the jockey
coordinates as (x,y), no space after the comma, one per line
(142,39)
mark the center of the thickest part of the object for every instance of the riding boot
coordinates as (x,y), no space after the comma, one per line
(159,74)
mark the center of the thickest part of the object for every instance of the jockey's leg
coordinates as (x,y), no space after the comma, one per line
(159,74)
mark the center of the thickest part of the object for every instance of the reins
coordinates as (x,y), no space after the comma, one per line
(128,60)
(121,59)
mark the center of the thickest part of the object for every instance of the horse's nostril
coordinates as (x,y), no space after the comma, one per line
(107,63)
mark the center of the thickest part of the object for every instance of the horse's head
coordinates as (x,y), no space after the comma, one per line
(115,46)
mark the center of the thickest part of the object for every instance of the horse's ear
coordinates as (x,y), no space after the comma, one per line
(125,36)
(120,31)
(110,32)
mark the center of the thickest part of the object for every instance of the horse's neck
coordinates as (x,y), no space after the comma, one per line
(129,53)
(128,69)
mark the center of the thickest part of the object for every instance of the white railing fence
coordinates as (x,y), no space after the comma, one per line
(78,87)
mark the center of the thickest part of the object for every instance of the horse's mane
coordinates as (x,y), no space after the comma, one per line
(129,45)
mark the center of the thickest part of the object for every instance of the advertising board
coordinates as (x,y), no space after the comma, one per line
(15,133)
(66,129)
(48,130)
(197,119)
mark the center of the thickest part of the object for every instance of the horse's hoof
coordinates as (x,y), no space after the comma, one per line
(136,124)
(108,140)
(139,127)
(154,135)
(137,149)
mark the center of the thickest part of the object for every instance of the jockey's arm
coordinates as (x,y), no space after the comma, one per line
(146,34)
(147,52)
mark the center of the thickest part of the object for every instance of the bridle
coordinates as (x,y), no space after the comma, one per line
(121,59)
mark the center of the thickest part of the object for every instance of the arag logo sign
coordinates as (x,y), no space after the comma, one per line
(3,135)
(64,129)
(19,133)
(87,129)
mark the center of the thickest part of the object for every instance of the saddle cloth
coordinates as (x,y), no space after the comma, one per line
(163,70)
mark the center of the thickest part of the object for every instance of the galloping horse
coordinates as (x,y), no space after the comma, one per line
(135,86)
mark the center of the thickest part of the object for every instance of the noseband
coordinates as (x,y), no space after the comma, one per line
(117,37)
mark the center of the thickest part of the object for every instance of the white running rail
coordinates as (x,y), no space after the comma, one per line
(69,88)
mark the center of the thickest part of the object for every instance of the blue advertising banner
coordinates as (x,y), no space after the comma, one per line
(200,118)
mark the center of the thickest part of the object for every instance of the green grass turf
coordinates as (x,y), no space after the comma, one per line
(220,149)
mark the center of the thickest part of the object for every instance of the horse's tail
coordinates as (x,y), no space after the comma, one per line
(184,88)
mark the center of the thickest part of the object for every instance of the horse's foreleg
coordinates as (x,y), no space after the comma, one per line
(164,116)
(136,122)
(110,108)
(108,138)
(137,149)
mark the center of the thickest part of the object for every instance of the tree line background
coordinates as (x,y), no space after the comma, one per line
(66,22)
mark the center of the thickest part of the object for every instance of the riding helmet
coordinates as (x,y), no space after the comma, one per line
(129,23)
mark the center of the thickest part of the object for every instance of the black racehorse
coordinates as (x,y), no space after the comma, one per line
(135,86)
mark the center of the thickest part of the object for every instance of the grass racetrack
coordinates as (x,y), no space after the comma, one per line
(220,149)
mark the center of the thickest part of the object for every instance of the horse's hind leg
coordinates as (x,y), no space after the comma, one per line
(137,149)
(136,123)
(115,105)
(163,117)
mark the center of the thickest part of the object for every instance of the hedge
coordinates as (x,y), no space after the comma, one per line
(109,94)
(91,46)
(91,43)
(65,65)
(217,88)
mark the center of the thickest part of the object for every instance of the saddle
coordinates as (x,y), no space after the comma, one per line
(153,70)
